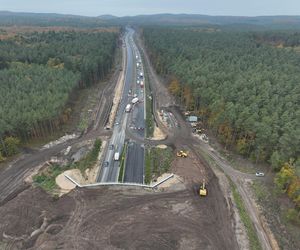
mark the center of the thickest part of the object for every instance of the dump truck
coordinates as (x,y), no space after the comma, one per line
(202,189)
(182,153)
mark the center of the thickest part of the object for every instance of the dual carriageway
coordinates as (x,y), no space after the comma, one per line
(127,122)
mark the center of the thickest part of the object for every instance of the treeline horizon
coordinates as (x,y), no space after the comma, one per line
(285,22)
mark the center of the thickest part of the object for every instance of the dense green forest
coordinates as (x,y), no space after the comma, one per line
(245,90)
(38,72)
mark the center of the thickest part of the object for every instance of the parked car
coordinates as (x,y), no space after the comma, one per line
(105,164)
(111,146)
(259,174)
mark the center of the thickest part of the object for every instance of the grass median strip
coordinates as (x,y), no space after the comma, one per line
(147,167)
(157,162)
(149,106)
(149,116)
(122,164)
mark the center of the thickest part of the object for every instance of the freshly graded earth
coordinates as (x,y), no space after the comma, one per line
(111,218)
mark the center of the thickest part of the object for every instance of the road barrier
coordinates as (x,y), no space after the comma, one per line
(117,183)
(72,180)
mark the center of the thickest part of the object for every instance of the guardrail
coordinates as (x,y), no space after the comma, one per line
(118,183)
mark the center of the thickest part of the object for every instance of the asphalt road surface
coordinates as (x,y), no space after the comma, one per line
(134,165)
(134,120)
(134,160)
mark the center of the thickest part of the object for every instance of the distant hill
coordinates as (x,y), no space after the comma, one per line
(281,22)
(107,17)
(227,22)
(8,18)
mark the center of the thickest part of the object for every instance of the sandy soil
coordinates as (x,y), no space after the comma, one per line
(117,93)
(59,141)
(65,184)
(158,134)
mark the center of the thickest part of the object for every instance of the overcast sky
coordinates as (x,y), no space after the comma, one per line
(135,7)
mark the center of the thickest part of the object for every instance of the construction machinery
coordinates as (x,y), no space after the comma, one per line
(203,190)
(182,153)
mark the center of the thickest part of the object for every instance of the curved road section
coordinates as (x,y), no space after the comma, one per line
(133,120)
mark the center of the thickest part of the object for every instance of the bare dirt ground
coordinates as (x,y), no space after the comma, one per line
(190,169)
(124,219)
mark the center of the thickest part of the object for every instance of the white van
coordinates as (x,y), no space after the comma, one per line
(116,156)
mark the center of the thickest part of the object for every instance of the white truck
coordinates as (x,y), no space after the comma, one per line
(135,100)
(117,156)
(128,108)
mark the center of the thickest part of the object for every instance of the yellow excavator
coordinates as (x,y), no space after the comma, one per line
(182,153)
(203,190)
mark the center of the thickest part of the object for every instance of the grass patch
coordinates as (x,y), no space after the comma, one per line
(122,164)
(253,239)
(46,179)
(238,162)
(157,162)
(83,123)
(90,159)
(149,116)
(147,166)
(149,105)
